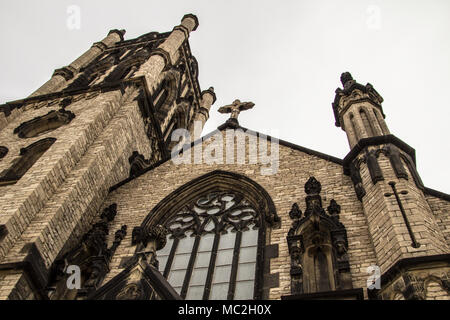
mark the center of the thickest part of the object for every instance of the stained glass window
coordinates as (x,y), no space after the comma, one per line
(211,252)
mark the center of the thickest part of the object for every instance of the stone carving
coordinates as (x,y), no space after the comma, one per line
(92,255)
(412,285)
(356,178)
(351,93)
(314,235)
(138,164)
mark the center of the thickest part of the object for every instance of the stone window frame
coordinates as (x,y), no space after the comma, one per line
(28,157)
(222,181)
(44,124)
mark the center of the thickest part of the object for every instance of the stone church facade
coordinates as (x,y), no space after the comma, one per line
(94,206)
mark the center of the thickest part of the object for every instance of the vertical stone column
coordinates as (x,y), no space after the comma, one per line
(166,51)
(202,114)
(61,76)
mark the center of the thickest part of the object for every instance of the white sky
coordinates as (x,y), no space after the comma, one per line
(285,56)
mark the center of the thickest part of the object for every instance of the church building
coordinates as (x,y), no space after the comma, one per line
(109,190)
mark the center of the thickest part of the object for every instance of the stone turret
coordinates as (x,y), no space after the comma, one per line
(383,171)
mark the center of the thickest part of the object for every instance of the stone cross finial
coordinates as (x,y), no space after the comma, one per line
(236,107)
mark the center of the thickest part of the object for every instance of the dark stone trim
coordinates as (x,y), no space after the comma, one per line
(271,280)
(3,232)
(271,251)
(64,72)
(63,117)
(262,265)
(234,265)
(3,151)
(190,267)
(7,108)
(193,16)
(100,45)
(437,194)
(270,216)
(171,257)
(162,53)
(358,294)
(211,266)
(145,38)
(266,280)
(373,141)
(161,286)
(210,90)
(374,168)
(33,267)
(182,29)
(403,264)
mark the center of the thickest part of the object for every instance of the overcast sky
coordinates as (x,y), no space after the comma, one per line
(285,56)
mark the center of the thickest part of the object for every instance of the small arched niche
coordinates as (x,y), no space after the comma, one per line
(318,246)
(28,157)
(44,124)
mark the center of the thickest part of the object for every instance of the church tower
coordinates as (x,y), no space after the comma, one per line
(383,170)
(98,121)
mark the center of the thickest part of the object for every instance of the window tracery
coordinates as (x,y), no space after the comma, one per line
(212,248)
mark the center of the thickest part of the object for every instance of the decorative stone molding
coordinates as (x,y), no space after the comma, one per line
(393,154)
(353,92)
(210,91)
(164,54)
(92,256)
(144,235)
(100,45)
(65,72)
(43,124)
(317,234)
(182,29)
(28,156)
(371,159)
(191,16)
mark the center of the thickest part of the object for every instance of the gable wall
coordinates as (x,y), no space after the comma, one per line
(136,199)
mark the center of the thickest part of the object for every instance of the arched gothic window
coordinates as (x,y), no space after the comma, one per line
(212,248)
(367,124)
(28,157)
(217,231)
